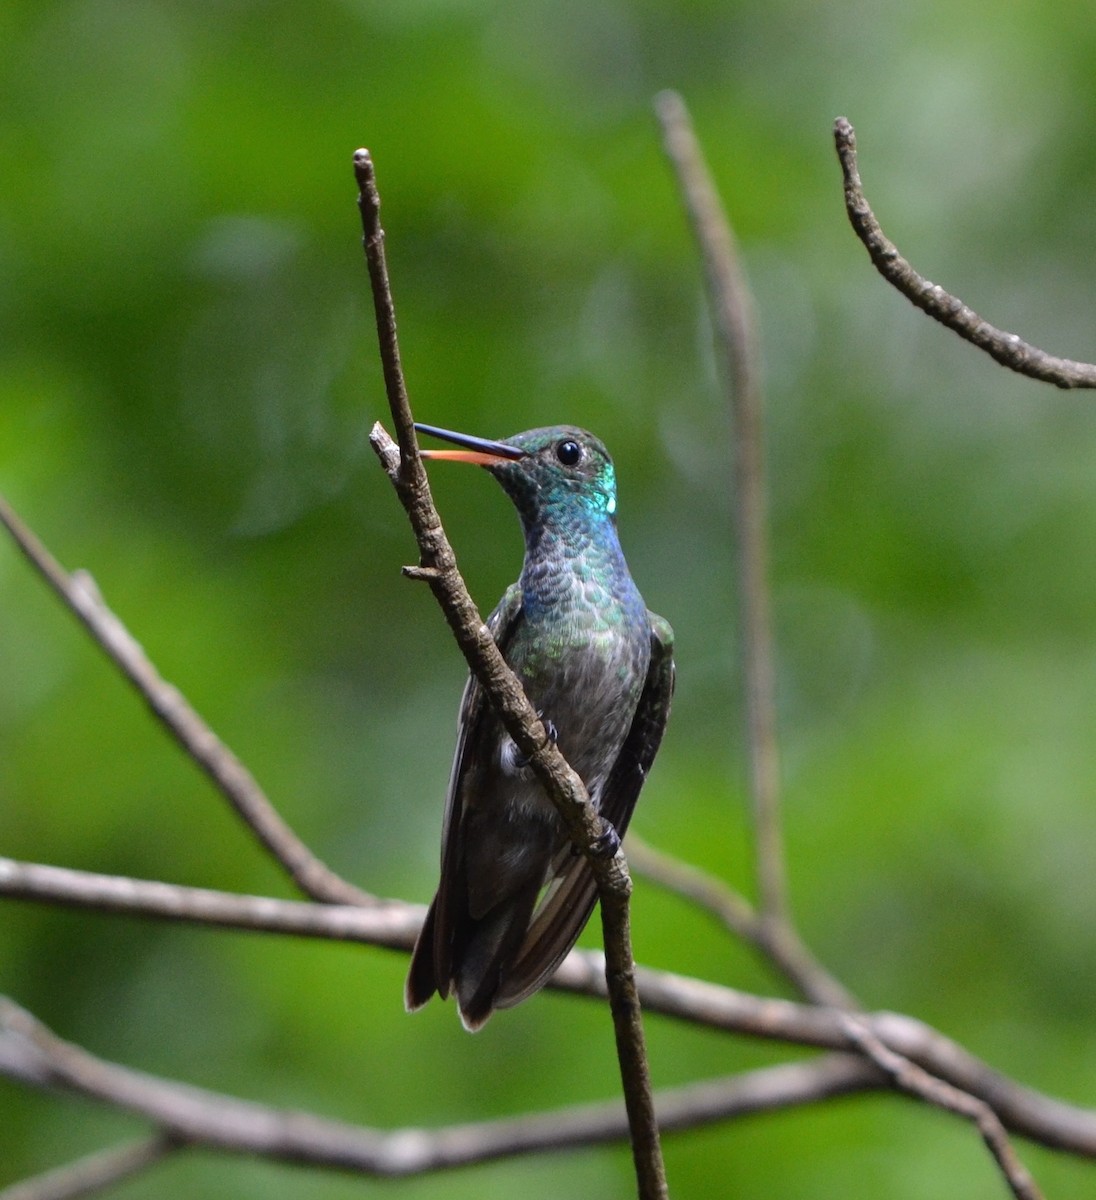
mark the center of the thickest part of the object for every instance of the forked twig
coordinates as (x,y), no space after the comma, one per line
(32,1053)
(1007,348)
(895,1049)
(438,568)
(918,1082)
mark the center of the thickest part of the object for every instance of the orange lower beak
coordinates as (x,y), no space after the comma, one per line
(480,457)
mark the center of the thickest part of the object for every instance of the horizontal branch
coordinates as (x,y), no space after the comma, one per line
(31,1053)
(394,925)
(1007,348)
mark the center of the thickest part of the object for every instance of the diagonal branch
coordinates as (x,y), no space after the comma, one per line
(231,778)
(95,1172)
(1007,348)
(789,956)
(915,1081)
(504,692)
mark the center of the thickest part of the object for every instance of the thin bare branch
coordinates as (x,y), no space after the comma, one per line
(918,1082)
(92,1174)
(635,1070)
(393,924)
(505,694)
(1022,1110)
(1007,348)
(736,336)
(33,1054)
(724,902)
(771,928)
(791,958)
(80,595)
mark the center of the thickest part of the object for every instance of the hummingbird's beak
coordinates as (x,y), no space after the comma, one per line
(478,450)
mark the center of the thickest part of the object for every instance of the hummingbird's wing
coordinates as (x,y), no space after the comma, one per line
(570,897)
(431,967)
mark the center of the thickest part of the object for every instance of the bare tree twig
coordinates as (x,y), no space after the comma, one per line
(736,335)
(392,924)
(33,1054)
(92,1174)
(1007,348)
(504,692)
(80,595)
(724,902)
(790,957)
(1022,1110)
(631,1046)
(917,1082)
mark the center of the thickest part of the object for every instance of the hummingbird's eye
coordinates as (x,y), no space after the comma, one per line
(568,452)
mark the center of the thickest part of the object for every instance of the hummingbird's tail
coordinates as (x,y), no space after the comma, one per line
(472,958)
(422,979)
(484,950)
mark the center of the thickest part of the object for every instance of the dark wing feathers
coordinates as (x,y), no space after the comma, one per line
(570,898)
(431,967)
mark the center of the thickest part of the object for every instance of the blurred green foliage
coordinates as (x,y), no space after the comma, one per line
(187,377)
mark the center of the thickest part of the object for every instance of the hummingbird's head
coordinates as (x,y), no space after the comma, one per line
(548,472)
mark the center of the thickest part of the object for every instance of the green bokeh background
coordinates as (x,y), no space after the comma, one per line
(187,378)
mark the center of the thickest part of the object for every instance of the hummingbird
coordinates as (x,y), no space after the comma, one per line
(597,666)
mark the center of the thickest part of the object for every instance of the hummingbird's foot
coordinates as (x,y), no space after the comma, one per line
(607,843)
(519,761)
